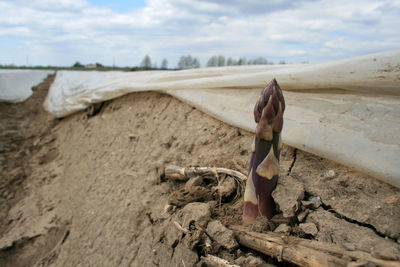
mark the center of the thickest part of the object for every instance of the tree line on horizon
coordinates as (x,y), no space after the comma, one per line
(185,62)
(189,62)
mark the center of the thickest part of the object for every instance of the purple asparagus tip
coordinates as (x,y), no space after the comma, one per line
(264,164)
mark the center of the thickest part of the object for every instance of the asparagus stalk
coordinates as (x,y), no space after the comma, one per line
(264,164)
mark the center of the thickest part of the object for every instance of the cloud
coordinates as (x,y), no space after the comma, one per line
(237,7)
(297,52)
(64,31)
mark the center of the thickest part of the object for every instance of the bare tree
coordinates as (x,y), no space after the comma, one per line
(229,62)
(258,61)
(216,61)
(196,63)
(146,62)
(242,61)
(188,62)
(212,62)
(164,64)
(221,61)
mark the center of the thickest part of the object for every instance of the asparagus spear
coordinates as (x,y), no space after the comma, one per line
(264,164)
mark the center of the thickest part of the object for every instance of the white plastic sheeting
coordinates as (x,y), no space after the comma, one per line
(347,110)
(357,131)
(16,85)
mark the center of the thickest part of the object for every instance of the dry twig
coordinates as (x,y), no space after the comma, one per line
(194,193)
(183,174)
(214,261)
(304,252)
(180,228)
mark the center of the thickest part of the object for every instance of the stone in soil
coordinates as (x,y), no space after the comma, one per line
(309,229)
(194,215)
(302,215)
(283,229)
(222,235)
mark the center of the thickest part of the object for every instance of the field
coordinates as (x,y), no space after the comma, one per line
(90,189)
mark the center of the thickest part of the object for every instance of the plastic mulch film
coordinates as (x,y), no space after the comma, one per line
(347,110)
(15,85)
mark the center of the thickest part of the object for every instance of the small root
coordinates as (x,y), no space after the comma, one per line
(180,228)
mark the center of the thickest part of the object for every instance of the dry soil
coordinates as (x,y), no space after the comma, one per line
(89,190)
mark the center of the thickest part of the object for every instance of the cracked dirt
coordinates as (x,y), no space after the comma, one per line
(88,190)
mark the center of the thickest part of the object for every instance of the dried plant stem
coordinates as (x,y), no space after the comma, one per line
(214,170)
(180,228)
(304,252)
(214,261)
(184,173)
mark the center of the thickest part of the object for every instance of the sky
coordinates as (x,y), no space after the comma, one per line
(62,32)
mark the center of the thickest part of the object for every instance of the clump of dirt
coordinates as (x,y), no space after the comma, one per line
(89,190)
